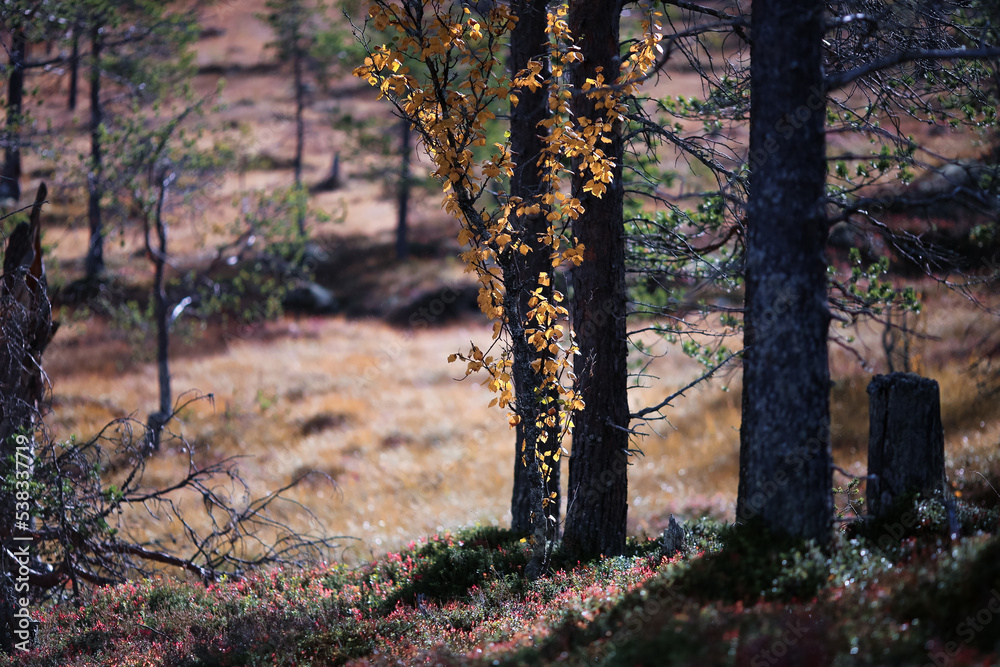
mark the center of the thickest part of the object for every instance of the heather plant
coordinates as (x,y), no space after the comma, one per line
(848,601)
(449,568)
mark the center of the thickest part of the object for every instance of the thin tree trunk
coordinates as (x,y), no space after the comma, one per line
(403,194)
(529,42)
(598,480)
(74,67)
(10,177)
(160,312)
(95,186)
(162,321)
(785,462)
(300,131)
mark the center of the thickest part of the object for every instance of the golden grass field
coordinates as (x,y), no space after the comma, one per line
(411,449)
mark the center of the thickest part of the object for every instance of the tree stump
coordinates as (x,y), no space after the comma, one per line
(905,440)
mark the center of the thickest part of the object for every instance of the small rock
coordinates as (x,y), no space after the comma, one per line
(309,297)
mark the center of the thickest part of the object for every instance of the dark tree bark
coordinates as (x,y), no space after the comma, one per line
(10,176)
(905,440)
(785,462)
(161,314)
(598,481)
(300,128)
(94,264)
(74,67)
(529,42)
(403,193)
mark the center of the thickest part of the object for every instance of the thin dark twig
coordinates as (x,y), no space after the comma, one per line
(641,414)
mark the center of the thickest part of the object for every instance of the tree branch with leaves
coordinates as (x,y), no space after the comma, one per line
(443,73)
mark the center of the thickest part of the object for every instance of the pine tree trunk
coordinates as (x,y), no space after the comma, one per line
(159,419)
(10,176)
(74,68)
(598,481)
(300,132)
(529,42)
(906,440)
(94,264)
(785,462)
(162,319)
(403,194)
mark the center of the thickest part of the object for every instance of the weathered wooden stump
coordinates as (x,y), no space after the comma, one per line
(905,440)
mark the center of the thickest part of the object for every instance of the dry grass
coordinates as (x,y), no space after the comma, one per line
(413,451)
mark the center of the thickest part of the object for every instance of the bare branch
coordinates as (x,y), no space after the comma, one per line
(842,79)
(665,402)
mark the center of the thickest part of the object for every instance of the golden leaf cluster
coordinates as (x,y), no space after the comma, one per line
(443,69)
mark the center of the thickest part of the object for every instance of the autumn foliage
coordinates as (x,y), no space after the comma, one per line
(442,68)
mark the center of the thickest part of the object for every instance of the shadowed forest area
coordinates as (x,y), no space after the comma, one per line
(499,333)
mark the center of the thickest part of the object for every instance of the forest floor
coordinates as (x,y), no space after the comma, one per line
(901,594)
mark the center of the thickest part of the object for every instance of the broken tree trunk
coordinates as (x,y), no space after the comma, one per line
(905,441)
(26,328)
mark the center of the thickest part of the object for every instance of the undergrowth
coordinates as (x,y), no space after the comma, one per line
(731,596)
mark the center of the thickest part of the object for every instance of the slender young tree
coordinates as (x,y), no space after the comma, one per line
(529,45)
(160,178)
(442,73)
(10,173)
(403,189)
(94,263)
(136,49)
(296,27)
(163,163)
